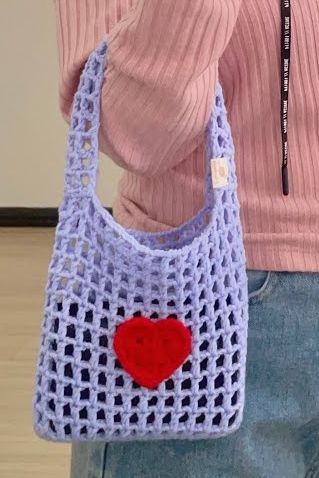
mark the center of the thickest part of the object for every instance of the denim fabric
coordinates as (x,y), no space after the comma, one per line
(279,437)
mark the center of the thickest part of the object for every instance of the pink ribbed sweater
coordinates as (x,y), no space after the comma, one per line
(165,58)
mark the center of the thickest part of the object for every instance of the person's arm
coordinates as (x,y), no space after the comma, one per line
(161,75)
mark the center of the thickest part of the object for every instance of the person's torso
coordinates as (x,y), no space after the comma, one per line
(281,232)
(250,75)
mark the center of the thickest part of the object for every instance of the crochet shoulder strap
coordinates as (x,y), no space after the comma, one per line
(82,154)
(83,148)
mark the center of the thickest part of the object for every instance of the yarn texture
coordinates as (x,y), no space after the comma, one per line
(181,295)
(151,351)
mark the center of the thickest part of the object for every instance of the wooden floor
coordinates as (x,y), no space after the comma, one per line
(24,256)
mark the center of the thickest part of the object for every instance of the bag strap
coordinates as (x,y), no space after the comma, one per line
(83,150)
(219,144)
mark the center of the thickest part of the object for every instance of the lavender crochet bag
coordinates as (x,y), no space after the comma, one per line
(144,334)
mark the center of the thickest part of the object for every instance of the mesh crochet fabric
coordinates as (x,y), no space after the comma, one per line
(101,275)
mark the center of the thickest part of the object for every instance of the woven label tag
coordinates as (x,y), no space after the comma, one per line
(219,167)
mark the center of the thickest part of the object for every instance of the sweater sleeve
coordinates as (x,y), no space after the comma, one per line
(162,72)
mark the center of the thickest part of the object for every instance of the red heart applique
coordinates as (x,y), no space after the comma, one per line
(151,351)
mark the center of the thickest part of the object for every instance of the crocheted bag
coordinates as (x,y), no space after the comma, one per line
(144,334)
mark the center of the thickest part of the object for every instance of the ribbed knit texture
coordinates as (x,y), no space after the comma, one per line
(158,93)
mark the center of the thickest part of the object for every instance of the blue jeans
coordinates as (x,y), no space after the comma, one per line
(279,437)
